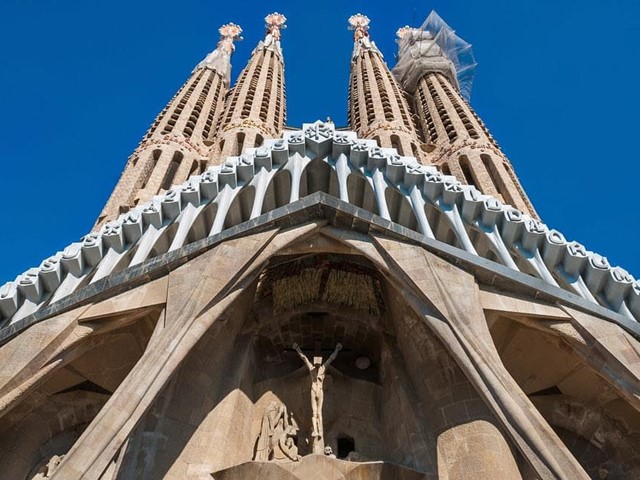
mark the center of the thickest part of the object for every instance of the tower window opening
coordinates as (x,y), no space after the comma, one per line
(458,108)
(172,169)
(194,168)
(239,143)
(465,166)
(442,112)
(181,104)
(370,113)
(280,113)
(414,150)
(267,91)
(496,179)
(346,445)
(429,128)
(515,182)
(212,111)
(395,143)
(149,166)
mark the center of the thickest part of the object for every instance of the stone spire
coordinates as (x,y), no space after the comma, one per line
(455,137)
(256,108)
(178,144)
(377,107)
(220,59)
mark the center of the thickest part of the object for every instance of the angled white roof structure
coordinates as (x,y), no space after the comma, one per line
(321,158)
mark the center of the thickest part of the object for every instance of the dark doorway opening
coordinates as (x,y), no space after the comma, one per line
(346,445)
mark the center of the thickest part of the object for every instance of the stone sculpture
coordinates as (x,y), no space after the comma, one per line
(317,371)
(47,470)
(277,433)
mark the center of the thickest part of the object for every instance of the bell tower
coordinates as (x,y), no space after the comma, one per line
(256,106)
(179,141)
(289,303)
(430,60)
(377,107)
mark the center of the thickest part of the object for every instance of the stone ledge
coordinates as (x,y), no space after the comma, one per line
(318,467)
(340,214)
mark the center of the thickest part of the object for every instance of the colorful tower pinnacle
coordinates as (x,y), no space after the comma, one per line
(256,108)
(377,107)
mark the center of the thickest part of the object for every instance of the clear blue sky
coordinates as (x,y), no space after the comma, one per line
(80,82)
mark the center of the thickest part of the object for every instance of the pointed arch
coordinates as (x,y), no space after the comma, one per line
(400,209)
(319,176)
(240,209)
(172,169)
(361,193)
(278,191)
(441,226)
(202,225)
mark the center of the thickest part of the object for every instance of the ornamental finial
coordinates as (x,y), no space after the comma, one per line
(360,25)
(275,22)
(228,33)
(403,31)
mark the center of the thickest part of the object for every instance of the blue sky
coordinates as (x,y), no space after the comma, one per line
(80,82)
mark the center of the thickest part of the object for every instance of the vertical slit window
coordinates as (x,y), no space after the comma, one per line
(395,143)
(239,143)
(150,166)
(442,112)
(465,166)
(172,169)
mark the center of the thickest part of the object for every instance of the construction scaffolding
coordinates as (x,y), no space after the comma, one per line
(434,47)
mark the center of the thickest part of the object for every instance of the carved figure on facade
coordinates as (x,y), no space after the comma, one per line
(277,435)
(328,451)
(49,468)
(317,370)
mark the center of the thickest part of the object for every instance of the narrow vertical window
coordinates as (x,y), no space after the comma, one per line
(465,166)
(171,171)
(239,143)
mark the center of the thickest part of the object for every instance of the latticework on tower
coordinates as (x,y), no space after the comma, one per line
(377,108)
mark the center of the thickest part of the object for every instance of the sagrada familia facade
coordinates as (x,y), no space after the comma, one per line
(379,301)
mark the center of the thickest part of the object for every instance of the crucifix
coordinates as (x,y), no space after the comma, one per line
(317,371)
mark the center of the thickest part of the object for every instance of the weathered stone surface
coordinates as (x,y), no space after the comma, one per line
(186,320)
(318,467)
(150,294)
(463,329)
(435,408)
(507,302)
(452,336)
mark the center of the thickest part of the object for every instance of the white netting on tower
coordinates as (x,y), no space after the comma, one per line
(434,47)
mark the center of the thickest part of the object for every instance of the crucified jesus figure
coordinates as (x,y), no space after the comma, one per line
(317,371)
